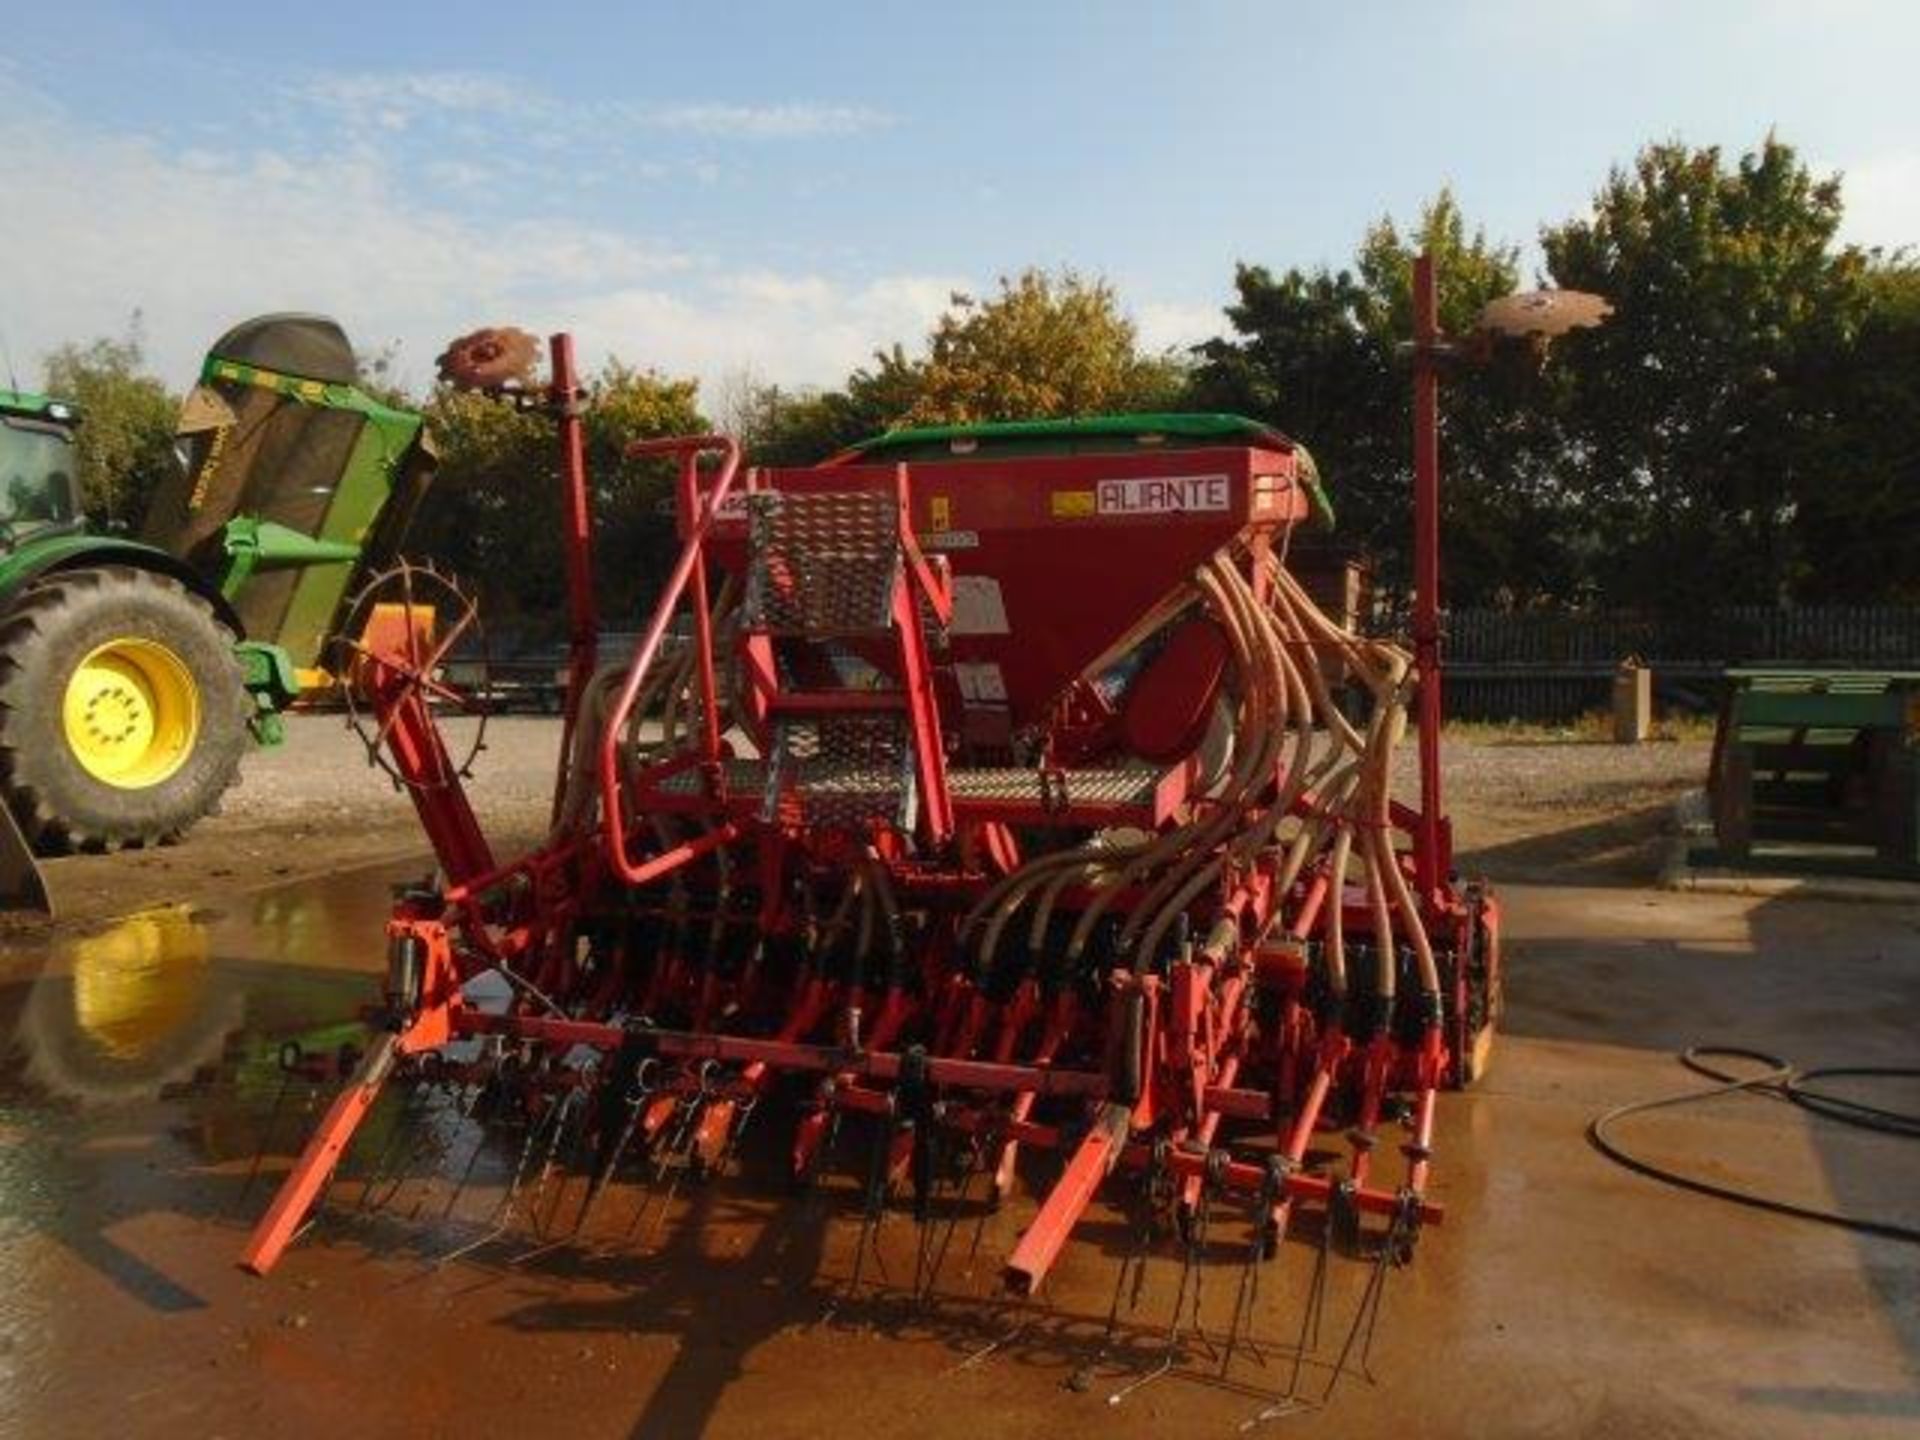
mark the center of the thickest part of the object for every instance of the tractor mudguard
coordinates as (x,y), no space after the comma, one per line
(84,552)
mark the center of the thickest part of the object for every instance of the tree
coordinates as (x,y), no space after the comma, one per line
(1313,353)
(1044,346)
(801,428)
(1857,508)
(493,516)
(1696,411)
(127,419)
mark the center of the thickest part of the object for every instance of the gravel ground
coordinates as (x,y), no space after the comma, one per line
(1564,810)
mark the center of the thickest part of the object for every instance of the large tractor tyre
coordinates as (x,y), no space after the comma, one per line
(123,712)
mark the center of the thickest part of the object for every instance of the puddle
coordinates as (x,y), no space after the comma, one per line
(175,997)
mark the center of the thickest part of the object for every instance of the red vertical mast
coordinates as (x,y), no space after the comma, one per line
(1430,861)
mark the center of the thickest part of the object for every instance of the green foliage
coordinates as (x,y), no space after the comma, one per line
(804,427)
(125,441)
(1696,414)
(1043,346)
(1858,501)
(493,515)
(1313,352)
(1745,428)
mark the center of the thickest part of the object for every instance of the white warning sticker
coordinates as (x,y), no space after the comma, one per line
(981,683)
(978,606)
(1163,494)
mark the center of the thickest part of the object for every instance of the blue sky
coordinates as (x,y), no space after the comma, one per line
(781,188)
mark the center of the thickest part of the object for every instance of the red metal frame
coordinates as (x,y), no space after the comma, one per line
(1433,852)
(583,620)
(1122,1062)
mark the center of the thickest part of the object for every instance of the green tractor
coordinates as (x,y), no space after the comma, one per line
(135,672)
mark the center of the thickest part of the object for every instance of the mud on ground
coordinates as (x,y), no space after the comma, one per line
(1562,1296)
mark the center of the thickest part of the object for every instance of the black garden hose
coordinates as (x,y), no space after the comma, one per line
(1782,1081)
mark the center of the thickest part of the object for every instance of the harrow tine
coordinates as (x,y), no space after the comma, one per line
(672,1155)
(1190,1272)
(503,1211)
(1135,1260)
(405,1127)
(438,1143)
(1308,1341)
(935,1255)
(473,1155)
(1246,1302)
(266,1133)
(808,1212)
(873,1203)
(638,1088)
(1013,1332)
(1366,1317)
(567,1141)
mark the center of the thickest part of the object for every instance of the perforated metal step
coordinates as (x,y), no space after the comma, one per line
(841,772)
(1134,793)
(822,564)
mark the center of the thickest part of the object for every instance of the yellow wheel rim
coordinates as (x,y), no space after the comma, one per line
(132,713)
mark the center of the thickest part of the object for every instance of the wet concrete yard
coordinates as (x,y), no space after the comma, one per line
(1561,1296)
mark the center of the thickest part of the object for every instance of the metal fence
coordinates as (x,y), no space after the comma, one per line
(1554,666)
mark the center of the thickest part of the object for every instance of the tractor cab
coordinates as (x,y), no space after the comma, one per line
(39,479)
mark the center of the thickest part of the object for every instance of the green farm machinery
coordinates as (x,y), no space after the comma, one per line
(1822,762)
(134,672)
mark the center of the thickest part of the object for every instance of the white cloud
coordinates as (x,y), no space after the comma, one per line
(390,100)
(394,101)
(767,122)
(108,223)
(1172,324)
(1882,199)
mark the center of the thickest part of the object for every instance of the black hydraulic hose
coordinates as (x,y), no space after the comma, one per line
(1782,1081)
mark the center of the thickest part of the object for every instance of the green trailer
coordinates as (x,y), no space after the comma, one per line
(1819,758)
(134,672)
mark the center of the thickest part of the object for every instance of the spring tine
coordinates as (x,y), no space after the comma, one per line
(266,1134)
(873,1201)
(480,1111)
(1013,1332)
(1364,1318)
(1198,1245)
(458,1113)
(404,1128)
(1134,1260)
(1190,1269)
(654,1168)
(567,1108)
(1392,1252)
(1246,1300)
(954,1207)
(422,1161)
(1308,1341)
(603,1172)
(574,1149)
(542,1227)
(473,1159)
(666,1157)
(503,1212)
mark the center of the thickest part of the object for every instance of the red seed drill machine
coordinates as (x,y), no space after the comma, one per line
(983,793)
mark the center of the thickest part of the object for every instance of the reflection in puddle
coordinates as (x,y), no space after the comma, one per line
(139,981)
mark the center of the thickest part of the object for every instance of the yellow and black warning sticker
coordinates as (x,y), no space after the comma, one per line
(1072,504)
